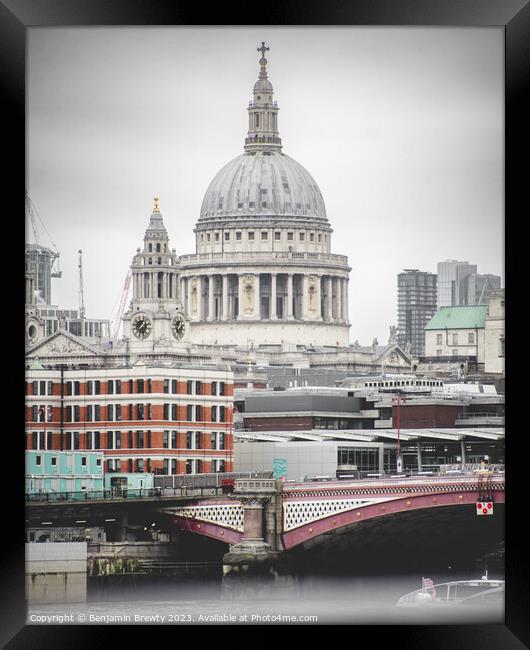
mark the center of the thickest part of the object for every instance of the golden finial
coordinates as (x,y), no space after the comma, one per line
(155,209)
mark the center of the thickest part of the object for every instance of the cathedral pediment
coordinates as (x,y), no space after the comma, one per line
(62,343)
(392,355)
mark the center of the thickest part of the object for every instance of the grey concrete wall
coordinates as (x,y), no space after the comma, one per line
(149,550)
(56,572)
(286,376)
(282,402)
(303,458)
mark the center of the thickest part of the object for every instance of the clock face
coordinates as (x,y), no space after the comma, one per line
(141,327)
(32,331)
(178,327)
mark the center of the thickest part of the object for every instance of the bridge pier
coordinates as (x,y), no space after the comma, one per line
(122,526)
(254,565)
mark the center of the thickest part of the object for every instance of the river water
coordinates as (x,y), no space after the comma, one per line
(307,601)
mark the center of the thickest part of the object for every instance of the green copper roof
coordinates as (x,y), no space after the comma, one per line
(461,318)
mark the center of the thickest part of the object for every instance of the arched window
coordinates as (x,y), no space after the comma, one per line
(158,248)
(159,284)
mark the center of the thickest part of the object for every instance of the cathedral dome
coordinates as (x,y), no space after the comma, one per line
(263,183)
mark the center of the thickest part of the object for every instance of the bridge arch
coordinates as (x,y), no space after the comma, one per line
(371,510)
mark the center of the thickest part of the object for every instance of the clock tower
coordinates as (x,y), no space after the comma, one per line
(155,319)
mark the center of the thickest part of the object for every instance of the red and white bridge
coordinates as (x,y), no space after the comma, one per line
(284,516)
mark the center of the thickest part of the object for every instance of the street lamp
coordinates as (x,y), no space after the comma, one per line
(398,400)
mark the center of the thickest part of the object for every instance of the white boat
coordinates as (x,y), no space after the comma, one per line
(481,592)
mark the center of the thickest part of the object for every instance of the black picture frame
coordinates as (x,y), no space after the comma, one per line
(16,16)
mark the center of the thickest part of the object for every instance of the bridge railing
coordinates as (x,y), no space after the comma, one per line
(123,494)
(204,480)
(471,467)
(417,479)
(165,486)
(88,495)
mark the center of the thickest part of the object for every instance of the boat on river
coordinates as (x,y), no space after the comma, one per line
(483,592)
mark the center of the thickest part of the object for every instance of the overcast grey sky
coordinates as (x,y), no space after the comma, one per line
(402,129)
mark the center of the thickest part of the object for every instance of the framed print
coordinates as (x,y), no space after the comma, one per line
(264,361)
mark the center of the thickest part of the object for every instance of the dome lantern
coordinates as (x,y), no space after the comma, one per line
(263,113)
(263,182)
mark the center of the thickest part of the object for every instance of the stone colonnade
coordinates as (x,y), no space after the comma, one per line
(153,284)
(271,296)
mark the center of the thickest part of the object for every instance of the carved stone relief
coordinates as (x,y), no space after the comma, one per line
(248,287)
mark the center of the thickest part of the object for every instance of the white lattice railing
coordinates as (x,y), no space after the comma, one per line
(229,516)
(299,513)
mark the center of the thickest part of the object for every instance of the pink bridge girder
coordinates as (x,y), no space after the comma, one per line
(313,509)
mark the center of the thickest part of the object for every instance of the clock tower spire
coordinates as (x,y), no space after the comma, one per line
(155,317)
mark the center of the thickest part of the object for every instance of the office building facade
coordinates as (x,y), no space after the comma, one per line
(416,306)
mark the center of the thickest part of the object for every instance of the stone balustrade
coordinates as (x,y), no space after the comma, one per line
(263,256)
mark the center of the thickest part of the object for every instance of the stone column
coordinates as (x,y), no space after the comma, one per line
(189,287)
(199,298)
(224,299)
(305,296)
(253,494)
(253,520)
(329,298)
(334,299)
(240,295)
(344,284)
(339,298)
(211,302)
(289,310)
(272,306)
(257,297)
(319,296)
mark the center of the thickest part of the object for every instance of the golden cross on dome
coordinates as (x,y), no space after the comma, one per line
(263,49)
(155,209)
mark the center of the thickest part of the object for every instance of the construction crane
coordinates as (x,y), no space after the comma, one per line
(54,253)
(81,294)
(121,307)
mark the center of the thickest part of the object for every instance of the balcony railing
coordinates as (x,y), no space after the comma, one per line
(480,418)
(263,255)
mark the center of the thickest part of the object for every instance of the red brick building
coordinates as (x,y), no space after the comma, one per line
(482,411)
(144,419)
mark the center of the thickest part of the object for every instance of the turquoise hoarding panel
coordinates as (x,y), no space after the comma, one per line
(279,468)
